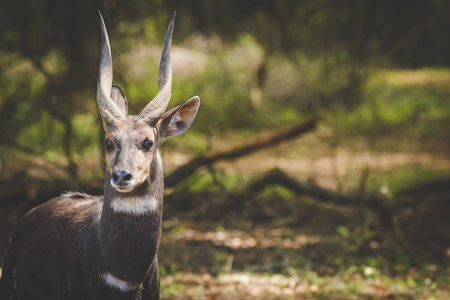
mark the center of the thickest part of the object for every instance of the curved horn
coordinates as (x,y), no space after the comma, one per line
(158,105)
(108,109)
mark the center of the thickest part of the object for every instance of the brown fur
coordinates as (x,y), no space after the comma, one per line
(78,246)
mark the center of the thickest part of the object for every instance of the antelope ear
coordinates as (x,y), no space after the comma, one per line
(119,98)
(179,119)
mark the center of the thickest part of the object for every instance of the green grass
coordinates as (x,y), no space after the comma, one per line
(354,283)
(390,182)
(409,103)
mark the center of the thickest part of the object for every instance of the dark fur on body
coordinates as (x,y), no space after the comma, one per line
(77,229)
(82,247)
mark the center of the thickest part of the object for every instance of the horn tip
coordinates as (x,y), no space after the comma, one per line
(103,32)
(100,15)
(172,21)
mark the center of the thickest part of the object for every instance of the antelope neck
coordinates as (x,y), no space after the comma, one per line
(131,223)
(140,201)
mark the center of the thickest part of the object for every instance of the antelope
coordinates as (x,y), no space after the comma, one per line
(79,246)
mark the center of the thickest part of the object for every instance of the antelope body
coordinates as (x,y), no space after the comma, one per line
(78,246)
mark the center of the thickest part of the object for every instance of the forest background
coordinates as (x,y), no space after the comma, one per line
(318,165)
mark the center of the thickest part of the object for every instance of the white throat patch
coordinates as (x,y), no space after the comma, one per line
(134,205)
(114,282)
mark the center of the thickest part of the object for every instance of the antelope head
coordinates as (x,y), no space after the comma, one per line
(132,142)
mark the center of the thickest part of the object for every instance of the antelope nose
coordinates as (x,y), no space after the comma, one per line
(121,178)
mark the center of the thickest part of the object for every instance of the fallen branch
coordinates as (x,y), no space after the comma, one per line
(276,176)
(310,188)
(189,168)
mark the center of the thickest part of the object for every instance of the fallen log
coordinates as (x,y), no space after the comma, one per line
(310,188)
(275,139)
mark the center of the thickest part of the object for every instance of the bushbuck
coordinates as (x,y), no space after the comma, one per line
(78,246)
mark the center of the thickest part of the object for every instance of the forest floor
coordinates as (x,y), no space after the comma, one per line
(202,259)
(282,246)
(278,245)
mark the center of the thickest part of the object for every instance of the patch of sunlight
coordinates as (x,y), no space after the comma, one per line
(265,279)
(246,285)
(419,77)
(257,238)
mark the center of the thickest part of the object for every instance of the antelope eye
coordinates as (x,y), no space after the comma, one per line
(109,145)
(147,144)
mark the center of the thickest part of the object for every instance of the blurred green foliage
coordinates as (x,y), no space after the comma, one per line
(256,65)
(375,71)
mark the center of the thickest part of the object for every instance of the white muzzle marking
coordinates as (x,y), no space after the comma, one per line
(124,189)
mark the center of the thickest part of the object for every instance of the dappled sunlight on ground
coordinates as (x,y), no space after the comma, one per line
(432,78)
(307,285)
(200,260)
(343,163)
(253,238)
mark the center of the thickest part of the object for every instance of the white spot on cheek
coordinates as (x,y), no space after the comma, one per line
(114,282)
